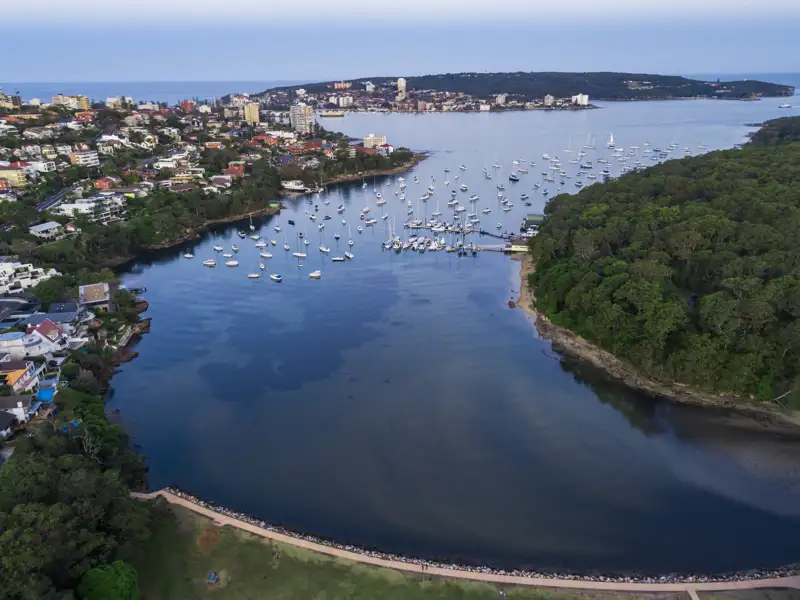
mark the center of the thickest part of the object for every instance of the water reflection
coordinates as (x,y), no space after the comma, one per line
(398,403)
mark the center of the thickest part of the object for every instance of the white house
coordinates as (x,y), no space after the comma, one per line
(17,406)
(16,277)
(46,231)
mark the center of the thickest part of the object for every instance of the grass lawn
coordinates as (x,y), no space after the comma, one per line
(186,547)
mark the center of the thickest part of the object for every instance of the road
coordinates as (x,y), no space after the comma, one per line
(614,586)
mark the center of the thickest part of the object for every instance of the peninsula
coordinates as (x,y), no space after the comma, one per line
(460,92)
(685,271)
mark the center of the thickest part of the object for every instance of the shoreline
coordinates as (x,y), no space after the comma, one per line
(786,577)
(206,226)
(567,343)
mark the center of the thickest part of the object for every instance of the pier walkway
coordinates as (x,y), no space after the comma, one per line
(613,586)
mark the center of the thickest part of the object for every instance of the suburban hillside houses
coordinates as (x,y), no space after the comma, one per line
(17,277)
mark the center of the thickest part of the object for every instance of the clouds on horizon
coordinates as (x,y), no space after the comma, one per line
(120,12)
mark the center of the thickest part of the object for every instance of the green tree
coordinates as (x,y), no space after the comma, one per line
(116,581)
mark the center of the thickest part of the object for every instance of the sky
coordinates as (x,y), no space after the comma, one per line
(304,40)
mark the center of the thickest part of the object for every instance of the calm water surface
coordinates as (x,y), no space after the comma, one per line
(398,403)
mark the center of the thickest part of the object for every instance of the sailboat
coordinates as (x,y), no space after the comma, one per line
(252,227)
(350,235)
(285,245)
(611,141)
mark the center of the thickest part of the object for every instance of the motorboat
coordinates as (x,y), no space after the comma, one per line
(188,255)
(315,274)
(324,249)
(218,248)
(337,259)
(235,248)
(299,254)
(210,263)
(464,187)
(265,255)
(462,167)
(254,275)
(348,255)
(261,244)
(227,255)
(291,222)
(276,278)
(232,263)
(513,177)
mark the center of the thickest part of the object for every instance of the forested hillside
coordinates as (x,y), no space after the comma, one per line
(690,270)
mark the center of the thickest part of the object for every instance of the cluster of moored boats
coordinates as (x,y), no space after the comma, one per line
(449,234)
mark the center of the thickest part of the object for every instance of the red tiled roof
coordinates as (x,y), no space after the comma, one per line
(48,329)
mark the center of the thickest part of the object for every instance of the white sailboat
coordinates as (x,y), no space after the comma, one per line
(611,143)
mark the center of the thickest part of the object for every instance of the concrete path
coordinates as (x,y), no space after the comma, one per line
(612,586)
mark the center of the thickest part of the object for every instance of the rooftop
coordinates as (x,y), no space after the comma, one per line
(96,292)
(44,227)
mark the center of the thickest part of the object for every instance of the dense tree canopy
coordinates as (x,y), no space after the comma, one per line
(690,270)
(62,512)
(605,85)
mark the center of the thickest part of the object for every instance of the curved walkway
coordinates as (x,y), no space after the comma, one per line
(614,586)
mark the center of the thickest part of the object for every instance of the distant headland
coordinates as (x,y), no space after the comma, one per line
(484,92)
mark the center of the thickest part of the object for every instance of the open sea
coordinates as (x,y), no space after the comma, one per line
(398,403)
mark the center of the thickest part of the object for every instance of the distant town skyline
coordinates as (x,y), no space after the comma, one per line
(165,51)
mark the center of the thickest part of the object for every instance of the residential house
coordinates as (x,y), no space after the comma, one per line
(20,375)
(49,152)
(43,166)
(63,149)
(16,277)
(38,133)
(6,421)
(96,296)
(385,149)
(107,182)
(183,187)
(20,408)
(47,231)
(236,171)
(45,338)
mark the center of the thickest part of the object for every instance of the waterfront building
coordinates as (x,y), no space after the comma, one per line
(96,296)
(369,87)
(301,92)
(549,100)
(251,113)
(484,108)
(500,99)
(345,101)
(301,116)
(401,89)
(373,141)
(204,109)
(581,99)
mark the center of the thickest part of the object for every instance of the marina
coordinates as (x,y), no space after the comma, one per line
(397,403)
